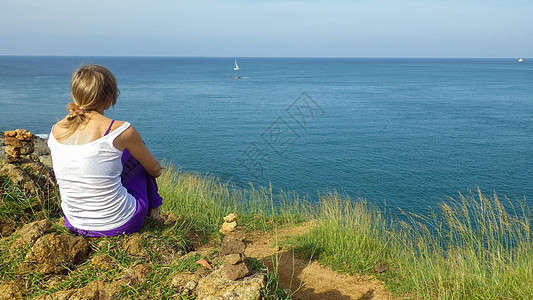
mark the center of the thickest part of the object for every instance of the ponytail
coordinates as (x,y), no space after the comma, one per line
(75,119)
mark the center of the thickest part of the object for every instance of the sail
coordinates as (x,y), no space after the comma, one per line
(236,66)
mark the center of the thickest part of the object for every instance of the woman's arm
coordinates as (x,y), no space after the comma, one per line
(131,139)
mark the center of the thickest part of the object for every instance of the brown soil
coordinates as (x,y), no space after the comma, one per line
(307,279)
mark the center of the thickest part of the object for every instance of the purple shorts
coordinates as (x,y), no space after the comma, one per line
(141,186)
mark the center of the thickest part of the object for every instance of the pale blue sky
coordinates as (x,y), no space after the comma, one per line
(295,28)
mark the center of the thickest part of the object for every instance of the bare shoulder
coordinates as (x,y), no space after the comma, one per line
(127,138)
(60,127)
(117,124)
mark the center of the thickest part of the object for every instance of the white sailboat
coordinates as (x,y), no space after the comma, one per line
(520,60)
(236,66)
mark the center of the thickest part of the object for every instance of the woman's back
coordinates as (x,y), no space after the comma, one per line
(92,196)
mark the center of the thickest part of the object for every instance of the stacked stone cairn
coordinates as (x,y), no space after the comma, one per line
(232,249)
(19,143)
(19,155)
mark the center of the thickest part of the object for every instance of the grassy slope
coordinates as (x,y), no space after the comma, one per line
(473,248)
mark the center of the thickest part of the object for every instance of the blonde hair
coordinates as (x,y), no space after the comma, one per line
(93,88)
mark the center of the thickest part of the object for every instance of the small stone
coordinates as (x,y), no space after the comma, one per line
(13,141)
(102,262)
(230,218)
(7,227)
(141,271)
(11,290)
(96,289)
(134,245)
(381,267)
(237,234)
(10,159)
(26,149)
(232,259)
(228,227)
(230,246)
(13,151)
(33,231)
(234,272)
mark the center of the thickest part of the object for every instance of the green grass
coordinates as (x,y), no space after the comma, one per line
(473,247)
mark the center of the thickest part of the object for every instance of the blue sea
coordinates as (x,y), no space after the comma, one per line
(403,133)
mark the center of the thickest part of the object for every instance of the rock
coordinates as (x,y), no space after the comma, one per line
(95,290)
(186,282)
(235,271)
(238,234)
(11,290)
(230,218)
(381,267)
(232,259)
(228,227)
(19,134)
(53,253)
(217,286)
(61,295)
(136,275)
(7,227)
(43,173)
(12,159)
(18,177)
(13,151)
(134,245)
(41,146)
(230,246)
(140,272)
(33,231)
(12,141)
(103,262)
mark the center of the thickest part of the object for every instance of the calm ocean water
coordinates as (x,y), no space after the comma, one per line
(405,132)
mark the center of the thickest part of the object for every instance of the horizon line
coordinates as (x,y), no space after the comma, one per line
(233,57)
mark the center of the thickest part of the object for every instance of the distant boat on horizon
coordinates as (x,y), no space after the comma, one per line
(520,60)
(236,66)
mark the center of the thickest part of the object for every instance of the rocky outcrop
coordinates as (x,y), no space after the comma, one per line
(217,286)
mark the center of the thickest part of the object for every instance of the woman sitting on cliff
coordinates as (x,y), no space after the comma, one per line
(105,173)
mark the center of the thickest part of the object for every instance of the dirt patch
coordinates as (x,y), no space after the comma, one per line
(308,279)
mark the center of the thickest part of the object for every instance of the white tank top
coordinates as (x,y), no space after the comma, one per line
(88,175)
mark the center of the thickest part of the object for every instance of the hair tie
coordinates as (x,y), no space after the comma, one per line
(79,109)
